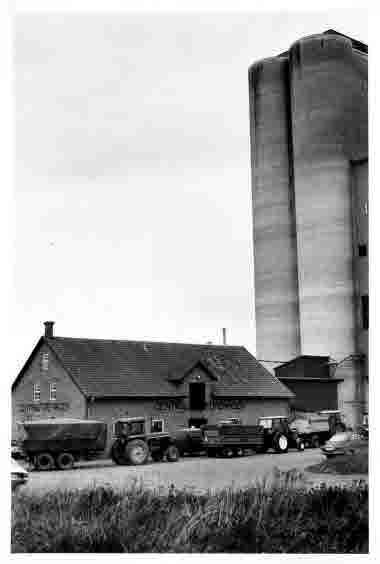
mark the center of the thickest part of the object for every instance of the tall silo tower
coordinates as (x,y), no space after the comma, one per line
(309,152)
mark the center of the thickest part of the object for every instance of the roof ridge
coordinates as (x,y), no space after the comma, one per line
(146,342)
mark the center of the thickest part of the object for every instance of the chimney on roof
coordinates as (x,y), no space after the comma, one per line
(49,329)
(224,331)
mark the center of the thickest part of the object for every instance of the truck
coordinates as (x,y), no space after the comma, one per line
(233,439)
(60,443)
(318,427)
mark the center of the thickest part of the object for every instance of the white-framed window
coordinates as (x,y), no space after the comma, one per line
(45,361)
(36,392)
(157,426)
(53,391)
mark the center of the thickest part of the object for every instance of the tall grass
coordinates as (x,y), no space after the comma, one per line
(275,518)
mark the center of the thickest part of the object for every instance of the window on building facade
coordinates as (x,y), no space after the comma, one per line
(36,392)
(45,361)
(157,426)
(197,396)
(362,250)
(365,312)
(53,391)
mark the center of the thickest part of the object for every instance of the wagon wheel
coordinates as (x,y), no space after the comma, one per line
(65,461)
(137,452)
(315,443)
(44,461)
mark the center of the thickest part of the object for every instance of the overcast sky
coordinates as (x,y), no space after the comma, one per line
(132,171)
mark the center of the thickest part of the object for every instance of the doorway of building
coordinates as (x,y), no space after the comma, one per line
(197,422)
(197,392)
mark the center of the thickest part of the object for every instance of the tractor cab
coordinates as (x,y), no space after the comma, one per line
(275,423)
(137,426)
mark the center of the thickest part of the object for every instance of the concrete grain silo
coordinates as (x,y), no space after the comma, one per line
(309,144)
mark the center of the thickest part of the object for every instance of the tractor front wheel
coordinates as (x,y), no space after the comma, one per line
(172,453)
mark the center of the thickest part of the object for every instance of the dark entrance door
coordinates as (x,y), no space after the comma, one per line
(197,396)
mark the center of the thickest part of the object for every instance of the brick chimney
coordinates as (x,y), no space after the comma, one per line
(49,329)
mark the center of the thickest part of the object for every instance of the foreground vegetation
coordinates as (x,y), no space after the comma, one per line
(279,518)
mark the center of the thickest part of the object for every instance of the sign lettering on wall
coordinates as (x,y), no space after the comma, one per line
(227,403)
(169,404)
(32,408)
(215,403)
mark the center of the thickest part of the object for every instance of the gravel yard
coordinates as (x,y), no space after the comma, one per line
(198,473)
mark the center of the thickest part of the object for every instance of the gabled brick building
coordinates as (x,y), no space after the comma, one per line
(183,384)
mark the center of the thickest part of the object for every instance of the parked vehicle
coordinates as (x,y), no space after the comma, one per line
(231,439)
(316,428)
(59,443)
(19,476)
(278,434)
(137,438)
(343,443)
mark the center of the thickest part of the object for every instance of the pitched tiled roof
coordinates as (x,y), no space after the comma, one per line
(105,368)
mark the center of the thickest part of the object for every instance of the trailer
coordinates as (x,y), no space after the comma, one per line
(59,443)
(233,439)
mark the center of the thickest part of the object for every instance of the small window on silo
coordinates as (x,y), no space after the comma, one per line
(365,312)
(362,250)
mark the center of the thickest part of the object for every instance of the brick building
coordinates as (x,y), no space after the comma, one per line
(182,384)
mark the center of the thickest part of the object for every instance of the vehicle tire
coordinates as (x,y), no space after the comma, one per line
(280,443)
(238,452)
(315,442)
(118,453)
(65,461)
(157,456)
(137,452)
(172,453)
(44,461)
(227,452)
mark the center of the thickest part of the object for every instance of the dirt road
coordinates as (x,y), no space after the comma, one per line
(197,473)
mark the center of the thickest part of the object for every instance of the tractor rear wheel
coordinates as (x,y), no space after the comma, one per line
(44,461)
(280,443)
(65,461)
(137,452)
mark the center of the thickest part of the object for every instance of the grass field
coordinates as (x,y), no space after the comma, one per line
(280,518)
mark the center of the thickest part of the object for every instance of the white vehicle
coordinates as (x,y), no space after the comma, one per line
(19,475)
